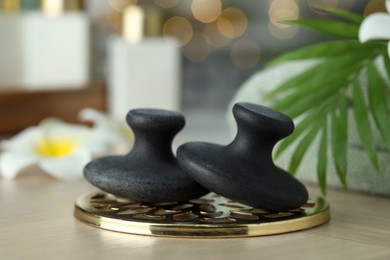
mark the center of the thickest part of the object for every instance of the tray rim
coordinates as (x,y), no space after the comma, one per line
(84,213)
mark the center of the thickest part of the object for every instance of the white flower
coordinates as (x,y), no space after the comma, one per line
(60,149)
(108,133)
(376,27)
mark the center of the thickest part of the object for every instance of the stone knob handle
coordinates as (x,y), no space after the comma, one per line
(149,172)
(244,170)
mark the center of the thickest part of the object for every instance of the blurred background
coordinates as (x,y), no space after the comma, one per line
(59,56)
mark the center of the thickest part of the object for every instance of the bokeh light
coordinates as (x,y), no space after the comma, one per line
(375,6)
(206,11)
(213,35)
(245,53)
(13,6)
(133,22)
(120,5)
(225,26)
(283,33)
(277,18)
(232,22)
(52,7)
(166,3)
(282,10)
(178,27)
(114,19)
(198,49)
(279,11)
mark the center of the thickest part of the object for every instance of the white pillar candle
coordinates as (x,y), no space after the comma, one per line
(40,52)
(143,74)
(58,51)
(11,54)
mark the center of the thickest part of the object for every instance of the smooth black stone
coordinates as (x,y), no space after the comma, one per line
(243,170)
(149,172)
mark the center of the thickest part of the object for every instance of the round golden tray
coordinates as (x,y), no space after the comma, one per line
(211,216)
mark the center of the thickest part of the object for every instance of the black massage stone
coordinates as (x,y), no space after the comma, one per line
(149,172)
(244,170)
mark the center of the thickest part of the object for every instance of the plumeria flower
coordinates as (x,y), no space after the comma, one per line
(58,148)
(116,133)
(376,27)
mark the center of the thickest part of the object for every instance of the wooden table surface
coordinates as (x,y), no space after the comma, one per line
(36,222)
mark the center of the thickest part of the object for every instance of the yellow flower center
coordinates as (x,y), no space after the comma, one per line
(55,147)
(125,131)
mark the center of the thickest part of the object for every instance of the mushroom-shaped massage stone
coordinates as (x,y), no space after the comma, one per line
(244,170)
(149,172)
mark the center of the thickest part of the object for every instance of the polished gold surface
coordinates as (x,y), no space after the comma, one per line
(211,216)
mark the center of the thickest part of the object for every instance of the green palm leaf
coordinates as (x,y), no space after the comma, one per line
(386,59)
(363,124)
(302,147)
(321,93)
(353,17)
(324,50)
(339,139)
(323,157)
(312,117)
(335,28)
(295,81)
(323,74)
(378,103)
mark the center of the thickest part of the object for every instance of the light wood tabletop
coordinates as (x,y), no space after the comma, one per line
(36,222)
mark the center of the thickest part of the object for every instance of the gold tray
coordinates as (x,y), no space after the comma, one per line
(211,216)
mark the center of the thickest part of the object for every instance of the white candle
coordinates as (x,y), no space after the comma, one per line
(142,72)
(39,52)
(133,24)
(11,61)
(145,75)
(58,51)
(52,7)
